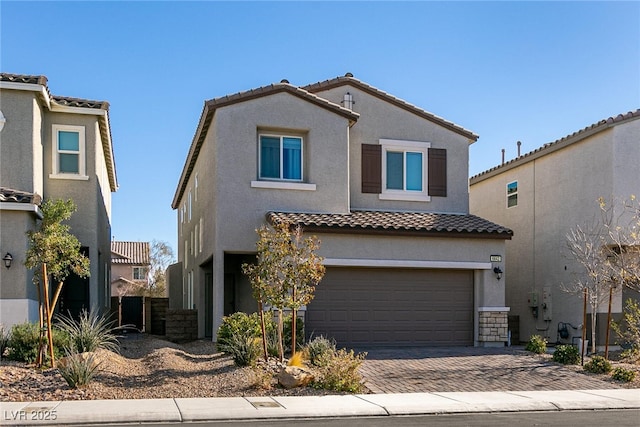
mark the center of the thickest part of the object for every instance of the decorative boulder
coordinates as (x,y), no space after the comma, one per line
(294,376)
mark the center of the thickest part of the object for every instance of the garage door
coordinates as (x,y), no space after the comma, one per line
(361,307)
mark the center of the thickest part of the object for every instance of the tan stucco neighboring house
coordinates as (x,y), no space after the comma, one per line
(53,147)
(130,264)
(381,182)
(541,196)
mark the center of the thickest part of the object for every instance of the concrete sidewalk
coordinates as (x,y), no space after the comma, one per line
(256,408)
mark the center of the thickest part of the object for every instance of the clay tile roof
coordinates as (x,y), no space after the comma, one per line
(81,103)
(399,223)
(283,86)
(559,143)
(16,196)
(348,79)
(136,253)
(23,78)
(60,100)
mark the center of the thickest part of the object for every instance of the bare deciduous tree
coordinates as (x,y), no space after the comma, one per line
(608,251)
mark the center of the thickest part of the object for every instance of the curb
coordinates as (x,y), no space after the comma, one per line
(334,406)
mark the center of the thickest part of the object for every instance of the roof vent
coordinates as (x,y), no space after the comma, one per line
(347,101)
(348,75)
(284,81)
(519,145)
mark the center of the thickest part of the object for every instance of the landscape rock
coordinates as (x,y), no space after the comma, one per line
(294,376)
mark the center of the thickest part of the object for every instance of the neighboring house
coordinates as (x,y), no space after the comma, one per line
(381,182)
(541,196)
(53,147)
(130,264)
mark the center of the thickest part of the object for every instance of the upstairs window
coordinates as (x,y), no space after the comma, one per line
(404,175)
(512,194)
(404,170)
(139,273)
(280,157)
(69,152)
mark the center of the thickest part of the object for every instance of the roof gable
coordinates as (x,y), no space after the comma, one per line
(68,105)
(558,144)
(135,253)
(212,105)
(349,80)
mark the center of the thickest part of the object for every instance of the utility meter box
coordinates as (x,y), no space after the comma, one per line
(533,299)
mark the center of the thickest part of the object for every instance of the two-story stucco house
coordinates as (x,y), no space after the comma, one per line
(381,182)
(541,196)
(53,147)
(130,264)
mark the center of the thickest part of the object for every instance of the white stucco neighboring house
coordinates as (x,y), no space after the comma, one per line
(53,147)
(541,196)
(381,182)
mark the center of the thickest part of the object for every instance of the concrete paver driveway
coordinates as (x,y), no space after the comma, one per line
(414,370)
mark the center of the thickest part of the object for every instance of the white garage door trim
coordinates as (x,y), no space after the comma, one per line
(420,330)
(403,263)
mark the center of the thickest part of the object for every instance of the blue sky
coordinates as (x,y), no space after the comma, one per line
(528,71)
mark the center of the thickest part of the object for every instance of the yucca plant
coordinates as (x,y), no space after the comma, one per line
(91,332)
(78,369)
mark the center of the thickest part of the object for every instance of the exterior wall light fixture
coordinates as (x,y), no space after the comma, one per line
(8,259)
(498,272)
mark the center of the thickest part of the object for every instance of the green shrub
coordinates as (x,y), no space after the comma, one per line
(566,354)
(624,375)
(628,329)
(236,325)
(537,344)
(4,340)
(598,365)
(78,369)
(23,344)
(90,332)
(320,350)
(243,348)
(341,372)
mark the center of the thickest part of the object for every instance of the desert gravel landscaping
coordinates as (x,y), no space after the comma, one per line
(149,367)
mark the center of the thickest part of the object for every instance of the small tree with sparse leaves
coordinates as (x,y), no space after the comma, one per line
(54,253)
(285,275)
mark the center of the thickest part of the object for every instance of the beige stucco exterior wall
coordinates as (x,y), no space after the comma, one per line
(226,209)
(21,141)
(90,224)
(556,192)
(230,208)
(26,165)
(382,120)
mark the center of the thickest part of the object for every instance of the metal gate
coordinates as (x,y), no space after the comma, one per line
(132,312)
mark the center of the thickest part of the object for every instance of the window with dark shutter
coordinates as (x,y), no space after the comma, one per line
(437,172)
(371,168)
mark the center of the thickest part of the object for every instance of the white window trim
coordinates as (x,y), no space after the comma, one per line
(512,194)
(144,273)
(281,137)
(82,165)
(405,195)
(283,185)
